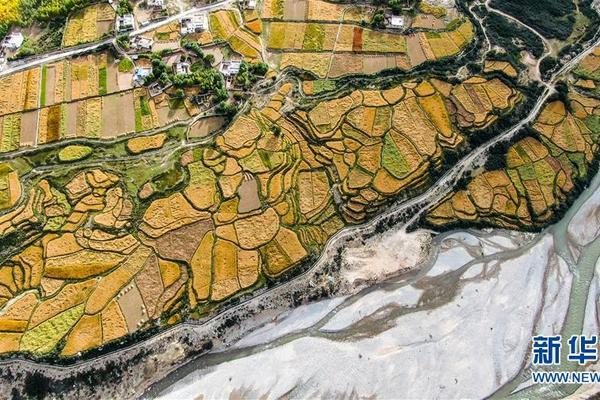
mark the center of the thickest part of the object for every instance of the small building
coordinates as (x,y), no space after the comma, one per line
(250,4)
(182,68)
(155,89)
(396,22)
(142,43)
(157,4)
(13,41)
(140,75)
(230,68)
(193,24)
(125,23)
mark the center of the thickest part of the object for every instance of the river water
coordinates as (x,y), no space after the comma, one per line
(459,328)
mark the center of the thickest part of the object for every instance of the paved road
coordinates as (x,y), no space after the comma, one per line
(66,53)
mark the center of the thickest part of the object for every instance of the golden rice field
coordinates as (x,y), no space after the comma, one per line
(541,170)
(226,26)
(89,24)
(318,48)
(254,204)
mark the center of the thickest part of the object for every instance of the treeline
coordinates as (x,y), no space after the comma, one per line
(551,18)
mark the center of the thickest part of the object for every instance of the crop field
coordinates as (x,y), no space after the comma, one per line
(589,67)
(256,204)
(500,66)
(146,143)
(82,77)
(321,37)
(88,108)
(314,10)
(24,88)
(10,132)
(74,153)
(311,88)
(10,187)
(540,170)
(476,99)
(272,9)
(168,37)
(104,117)
(252,22)
(428,21)
(89,24)
(225,25)
(360,50)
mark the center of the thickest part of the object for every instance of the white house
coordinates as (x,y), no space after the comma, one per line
(396,21)
(125,23)
(250,4)
(230,68)
(142,43)
(181,68)
(13,41)
(193,24)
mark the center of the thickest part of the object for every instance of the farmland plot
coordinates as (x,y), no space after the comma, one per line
(89,24)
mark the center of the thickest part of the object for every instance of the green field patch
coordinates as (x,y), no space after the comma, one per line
(578,159)
(272,159)
(254,163)
(102,84)
(125,65)
(278,8)
(43,338)
(592,122)
(145,106)
(455,23)
(527,172)
(11,133)
(323,85)
(74,153)
(513,174)
(314,37)
(544,172)
(43,90)
(4,188)
(393,161)
(432,35)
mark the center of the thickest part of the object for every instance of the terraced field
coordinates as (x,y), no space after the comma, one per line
(103,242)
(543,170)
(226,26)
(257,201)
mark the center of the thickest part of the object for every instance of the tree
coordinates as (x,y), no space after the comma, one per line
(378,19)
(124,7)
(179,94)
(209,60)
(395,6)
